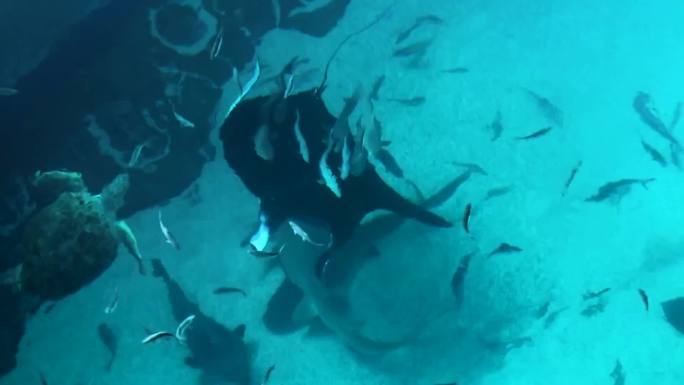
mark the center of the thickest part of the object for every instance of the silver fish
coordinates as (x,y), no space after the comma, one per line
(183,327)
(168,237)
(299,231)
(111,308)
(303,147)
(156,336)
(329,178)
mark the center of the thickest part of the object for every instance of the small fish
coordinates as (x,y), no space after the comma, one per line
(238,82)
(428,19)
(593,309)
(375,89)
(674,156)
(135,155)
(447,191)
(618,374)
(505,248)
(654,154)
(571,178)
(265,253)
(550,110)
(303,147)
(617,189)
(472,167)
(496,127)
(299,231)
(43,380)
(642,105)
(456,70)
(49,308)
(535,134)
(543,310)
(168,237)
(497,192)
(244,90)
(111,308)
(7,91)
(389,163)
(345,166)
(466,217)
(184,122)
(108,338)
(415,49)
(594,294)
(267,375)
(644,298)
(183,327)
(411,102)
(329,178)
(228,290)
(458,279)
(676,116)
(216,44)
(157,336)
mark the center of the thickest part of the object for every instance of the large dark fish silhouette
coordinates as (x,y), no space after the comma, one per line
(287,186)
(217,351)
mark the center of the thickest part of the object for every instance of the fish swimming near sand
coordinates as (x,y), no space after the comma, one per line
(644,298)
(571,177)
(415,49)
(114,303)
(595,294)
(642,105)
(616,190)
(654,154)
(375,89)
(456,70)
(423,20)
(265,253)
(329,178)
(466,217)
(496,127)
(447,190)
(535,134)
(108,338)
(6,91)
(183,326)
(301,141)
(267,375)
(458,279)
(505,248)
(168,236)
(411,102)
(618,374)
(156,336)
(472,167)
(547,108)
(389,163)
(217,352)
(229,290)
(217,44)
(302,234)
(676,116)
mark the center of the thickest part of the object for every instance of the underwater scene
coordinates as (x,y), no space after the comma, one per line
(342,192)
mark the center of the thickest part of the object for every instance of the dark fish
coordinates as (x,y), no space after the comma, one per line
(505,248)
(497,192)
(676,116)
(375,90)
(642,105)
(49,308)
(456,70)
(108,338)
(535,134)
(552,317)
(267,375)
(429,19)
(644,298)
(617,189)
(458,279)
(571,178)
(466,217)
(472,167)
(550,110)
(496,127)
(654,154)
(674,156)
(595,294)
(416,189)
(265,253)
(389,163)
(447,191)
(618,374)
(448,383)
(415,49)
(43,380)
(228,290)
(412,102)
(593,309)
(543,310)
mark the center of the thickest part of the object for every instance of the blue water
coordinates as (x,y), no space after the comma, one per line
(393,312)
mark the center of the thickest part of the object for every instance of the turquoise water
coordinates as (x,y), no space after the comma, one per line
(521,317)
